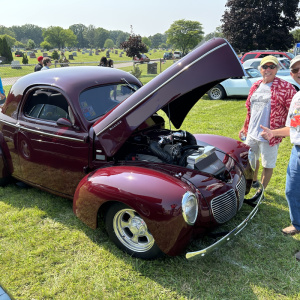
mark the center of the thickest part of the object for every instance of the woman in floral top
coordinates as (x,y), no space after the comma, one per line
(268,105)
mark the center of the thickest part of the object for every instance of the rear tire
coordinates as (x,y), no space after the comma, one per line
(4,174)
(129,232)
(216,93)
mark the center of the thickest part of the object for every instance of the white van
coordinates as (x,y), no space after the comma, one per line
(177,54)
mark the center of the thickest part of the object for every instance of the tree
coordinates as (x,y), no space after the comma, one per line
(6,51)
(114,34)
(45,45)
(1,46)
(122,37)
(55,55)
(4,30)
(59,37)
(28,31)
(101,35)
(9,40)
(109,43)
(157,39)
(25,59)
(296,35)
(30,44)
(90,35)
(217,33)
(19,44)
(134,46)
(184,35)
(260,24)
(146,41)
(80,30)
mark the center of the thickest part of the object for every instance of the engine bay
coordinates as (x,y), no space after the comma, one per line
(173,147)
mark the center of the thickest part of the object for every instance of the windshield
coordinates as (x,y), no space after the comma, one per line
(97,101)
(291,55)
(253,72)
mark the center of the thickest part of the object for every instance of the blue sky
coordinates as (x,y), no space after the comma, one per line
(146,17)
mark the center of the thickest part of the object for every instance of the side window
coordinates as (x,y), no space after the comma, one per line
(52,112)
(46,106)
(249,56)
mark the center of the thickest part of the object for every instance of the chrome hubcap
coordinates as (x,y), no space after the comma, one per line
(132,230)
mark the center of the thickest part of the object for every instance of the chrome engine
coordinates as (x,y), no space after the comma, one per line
(178,148)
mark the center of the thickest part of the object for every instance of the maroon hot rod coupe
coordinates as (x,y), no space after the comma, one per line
(93,135)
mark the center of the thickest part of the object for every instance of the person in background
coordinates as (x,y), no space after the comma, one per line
(103,62)
(2,93)
(292,129)
(46,63)
(110,63)
(39,66)
(268,103)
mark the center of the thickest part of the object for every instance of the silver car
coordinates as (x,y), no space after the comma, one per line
(240,86)
(284,64)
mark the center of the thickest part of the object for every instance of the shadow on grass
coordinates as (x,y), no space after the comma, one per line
(258,262)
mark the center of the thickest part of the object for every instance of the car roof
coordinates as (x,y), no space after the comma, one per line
(67,79)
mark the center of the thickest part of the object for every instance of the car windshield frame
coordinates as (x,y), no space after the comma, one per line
(97,101)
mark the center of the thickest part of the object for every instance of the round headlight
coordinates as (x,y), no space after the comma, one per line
(189,208)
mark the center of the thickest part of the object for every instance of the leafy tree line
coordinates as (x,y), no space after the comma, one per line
(247,25)
(77,35)
(260,24)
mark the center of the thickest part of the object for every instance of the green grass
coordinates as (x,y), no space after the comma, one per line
(47,253)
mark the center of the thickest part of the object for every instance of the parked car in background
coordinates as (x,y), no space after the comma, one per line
(168,55)
(284,64)
(240,86)
(177,54)
(94,135)
(263,53)
(141,58)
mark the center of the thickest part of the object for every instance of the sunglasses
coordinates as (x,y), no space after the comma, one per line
(295,71)
(265,67)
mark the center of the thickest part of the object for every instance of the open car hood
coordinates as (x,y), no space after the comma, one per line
(175,91)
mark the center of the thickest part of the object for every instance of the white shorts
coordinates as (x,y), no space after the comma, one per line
(268,153)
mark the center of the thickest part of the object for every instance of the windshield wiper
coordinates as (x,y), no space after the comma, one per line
(129,85)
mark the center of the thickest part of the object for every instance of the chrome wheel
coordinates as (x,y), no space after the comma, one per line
(132,231)
(216,93)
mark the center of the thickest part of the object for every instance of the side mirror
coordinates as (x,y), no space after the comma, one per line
(64,122)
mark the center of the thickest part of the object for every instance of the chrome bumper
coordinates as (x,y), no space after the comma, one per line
(228,237)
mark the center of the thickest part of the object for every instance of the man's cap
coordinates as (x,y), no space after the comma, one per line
(269,59)
(40,58)
(294,60)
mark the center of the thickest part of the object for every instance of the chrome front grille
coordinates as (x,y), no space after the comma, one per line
(224,207)
(241,188)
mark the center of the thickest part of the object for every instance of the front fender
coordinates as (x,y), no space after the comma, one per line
(236,149)
(156,197)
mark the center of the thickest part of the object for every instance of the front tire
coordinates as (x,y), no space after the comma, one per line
(216,93)
(130,233)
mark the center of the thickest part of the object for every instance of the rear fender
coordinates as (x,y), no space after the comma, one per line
(154,195)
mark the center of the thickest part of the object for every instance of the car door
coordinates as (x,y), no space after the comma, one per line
(51,155)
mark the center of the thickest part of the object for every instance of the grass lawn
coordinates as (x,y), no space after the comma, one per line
(47,253)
